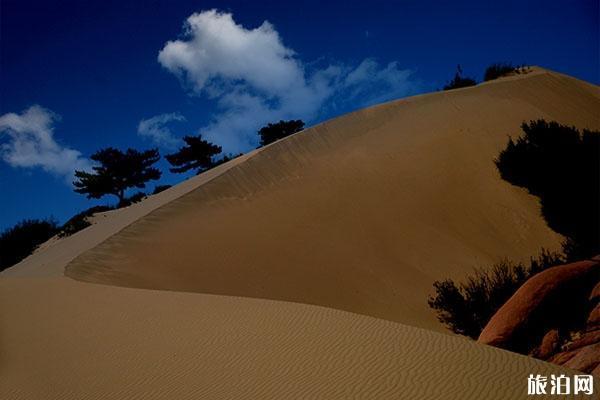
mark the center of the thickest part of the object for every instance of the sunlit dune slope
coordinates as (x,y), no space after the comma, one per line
(64,339)
(361,213)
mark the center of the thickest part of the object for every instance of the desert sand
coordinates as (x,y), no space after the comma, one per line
(63,339)
(362,213)
(266,264)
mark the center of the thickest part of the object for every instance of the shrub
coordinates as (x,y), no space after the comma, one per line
(160,188)
(466,307)
(226,158)
(272,132)
(559,164)
(136,198)
(498,70)
(459,81)
(21,240)
(80,221)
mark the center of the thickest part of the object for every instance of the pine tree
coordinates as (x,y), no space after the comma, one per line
(197,154)
(117,171)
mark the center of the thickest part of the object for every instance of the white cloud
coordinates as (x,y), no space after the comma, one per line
(30,143)
(156,129)
(255,78)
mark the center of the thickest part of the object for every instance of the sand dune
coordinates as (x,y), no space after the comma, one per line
(63,339)
(361,213)
(51,257)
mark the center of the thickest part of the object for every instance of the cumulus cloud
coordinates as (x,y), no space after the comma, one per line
(157,129)
(254,78)
(27,141)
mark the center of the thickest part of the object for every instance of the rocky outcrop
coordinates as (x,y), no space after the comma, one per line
(554,316)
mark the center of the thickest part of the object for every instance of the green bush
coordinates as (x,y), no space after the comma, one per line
(160,188)
(466,307)
(499,70)
(21,240)
(226,158)
(273,132)
(136,198)
(459,81)
(559,164)
(80,221)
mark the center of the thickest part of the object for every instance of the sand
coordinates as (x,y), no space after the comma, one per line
(361,213)
(331,237)
(64,339)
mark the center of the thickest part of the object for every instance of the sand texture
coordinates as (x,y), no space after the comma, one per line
(362,213)
(63,339)
(285,272)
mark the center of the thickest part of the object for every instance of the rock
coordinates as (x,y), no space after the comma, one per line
(563,357)
(584,340)
(595,294)
(596,372)
(593,321)
(520,319)
(586,358)
(549,345)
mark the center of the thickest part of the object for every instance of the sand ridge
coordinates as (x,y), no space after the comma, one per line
(361,213)
(63,339)
(288,222)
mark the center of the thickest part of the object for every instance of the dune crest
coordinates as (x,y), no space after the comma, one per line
(361,213)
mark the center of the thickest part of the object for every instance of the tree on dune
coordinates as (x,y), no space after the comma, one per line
(272,132)
(116,172)
(196,154)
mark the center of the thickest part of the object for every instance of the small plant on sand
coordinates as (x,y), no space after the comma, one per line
(459,81)
(160,188)
(80,221)
(499,70)
(466,307)
(272,132)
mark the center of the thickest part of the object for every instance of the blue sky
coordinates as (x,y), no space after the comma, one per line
(78,76)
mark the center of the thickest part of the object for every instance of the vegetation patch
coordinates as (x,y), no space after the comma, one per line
(21,240)
(559,164)
(499,70)
(459,81)
(466,307)
(273,132)
(80,221)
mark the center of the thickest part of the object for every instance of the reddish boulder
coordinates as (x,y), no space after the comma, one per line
(596,372)
(549,345)
(595,294)
(563,357)
(584,340)
(519,320)
(593,321)
(586,358)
